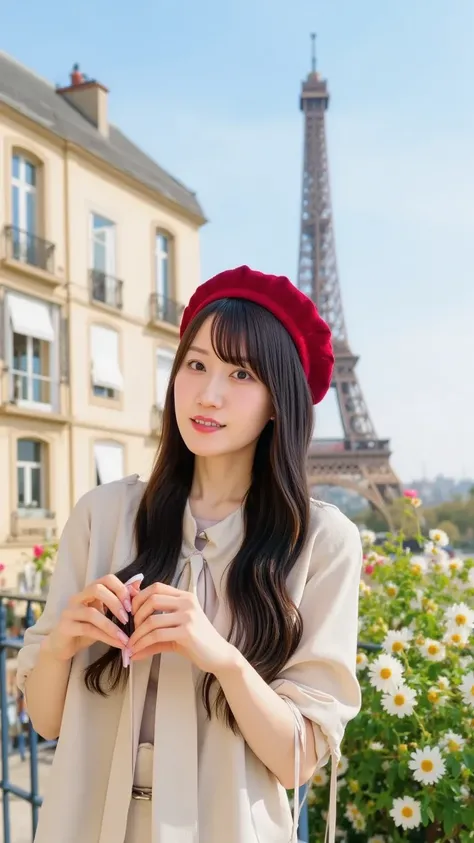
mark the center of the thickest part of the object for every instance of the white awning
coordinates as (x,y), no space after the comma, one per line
(164,365)
(30,317)
(105,358)
(109,461)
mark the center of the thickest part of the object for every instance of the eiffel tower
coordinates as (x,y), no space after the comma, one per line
(360,461)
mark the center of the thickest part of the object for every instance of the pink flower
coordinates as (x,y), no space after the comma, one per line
(410,493)
(369,569)
(38,550)
(2,567)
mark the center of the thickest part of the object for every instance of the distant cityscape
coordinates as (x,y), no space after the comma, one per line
(432,492)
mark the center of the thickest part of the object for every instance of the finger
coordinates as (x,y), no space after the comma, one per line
(155,588)
(86,630)
(154,650)
(156,603)
(95,619)
(170,620)
(101,592)
(156,638)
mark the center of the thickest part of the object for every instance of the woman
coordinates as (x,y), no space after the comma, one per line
(188,701)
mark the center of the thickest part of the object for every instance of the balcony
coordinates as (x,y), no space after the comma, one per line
(30,523)
(25,248)
(166,310)
(105,289)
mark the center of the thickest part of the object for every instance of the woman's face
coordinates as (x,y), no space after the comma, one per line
(220,408)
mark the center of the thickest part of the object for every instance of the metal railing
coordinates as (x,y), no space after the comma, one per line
(106,288)
(13,721)
(163,309)
(27,248)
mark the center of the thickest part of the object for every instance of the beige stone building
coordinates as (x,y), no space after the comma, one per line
(99,250)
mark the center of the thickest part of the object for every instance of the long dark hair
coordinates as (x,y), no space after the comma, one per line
(266,624)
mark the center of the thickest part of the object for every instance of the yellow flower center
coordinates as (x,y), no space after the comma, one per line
(385,673)
(472,691)
(453,746)
(433,696)
(416,569)
(407,811)
(360,658)
(397,646)
(456,638)
(461,620)
(427,765)
(399,699)
(391,591)
(433,649)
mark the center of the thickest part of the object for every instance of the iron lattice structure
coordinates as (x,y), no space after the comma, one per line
(360,461)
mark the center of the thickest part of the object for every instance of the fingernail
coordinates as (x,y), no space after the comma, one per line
(122,636)
(128,604)
(126,658)
(123,616)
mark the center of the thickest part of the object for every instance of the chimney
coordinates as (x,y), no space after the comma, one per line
(89,97)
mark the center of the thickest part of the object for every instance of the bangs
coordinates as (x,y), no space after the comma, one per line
(236,333)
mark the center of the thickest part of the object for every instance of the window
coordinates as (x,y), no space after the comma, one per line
(24,208)
(106,375)
(164,365)
(108,458)
(162,265)
(30,476)
(32,352)
(105,287)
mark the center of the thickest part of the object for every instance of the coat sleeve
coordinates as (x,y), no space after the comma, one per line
(68,578)
(320,678)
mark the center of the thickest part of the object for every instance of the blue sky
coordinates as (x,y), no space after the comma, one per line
(211,89)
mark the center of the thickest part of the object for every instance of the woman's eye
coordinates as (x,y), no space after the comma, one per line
(196,365)
(242,375)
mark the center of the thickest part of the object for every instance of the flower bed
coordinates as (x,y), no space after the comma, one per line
(407,773)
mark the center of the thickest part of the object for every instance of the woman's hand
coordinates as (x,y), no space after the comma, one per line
(167,618)
(83,622)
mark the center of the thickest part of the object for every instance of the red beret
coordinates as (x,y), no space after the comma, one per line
(291,307)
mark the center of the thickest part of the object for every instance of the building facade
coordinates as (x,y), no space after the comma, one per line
(99,250)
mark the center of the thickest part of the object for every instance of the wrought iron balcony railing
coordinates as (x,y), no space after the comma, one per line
(106,289)
(163,309)
(28,248)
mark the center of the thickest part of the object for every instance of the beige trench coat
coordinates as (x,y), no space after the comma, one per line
(240,801)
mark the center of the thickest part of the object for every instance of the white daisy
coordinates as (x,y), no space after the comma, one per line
(456,564)
(456,636)
(385,673)
(391,589)
(467,688)
(361,661)
(460,615)
(397,640)
(367,538)
(418,565)
(440,562)
(351,811)
(439,538)
(443,683)
(436,696)
(400,702)
(464,793)
(427,765)
(433,650)
(376,746)
(359,823)
(406,812)
(343,766)
(320,778)
(452,742)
